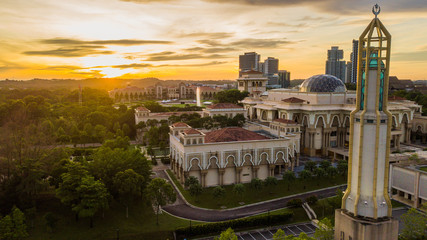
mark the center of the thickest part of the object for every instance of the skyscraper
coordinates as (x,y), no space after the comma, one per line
(366,206)
(284,78)
(271,66)
(353,59)
(248,61)
(335,65)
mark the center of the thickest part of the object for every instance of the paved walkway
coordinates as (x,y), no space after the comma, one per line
(181,209)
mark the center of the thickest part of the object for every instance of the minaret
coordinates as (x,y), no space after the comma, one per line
(366,206)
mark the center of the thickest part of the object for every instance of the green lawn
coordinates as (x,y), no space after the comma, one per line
(141,223)
(206,199)
(423,169)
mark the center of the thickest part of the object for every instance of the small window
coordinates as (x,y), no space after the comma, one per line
(357,119)
(342,236)
(370,121)
(383,121)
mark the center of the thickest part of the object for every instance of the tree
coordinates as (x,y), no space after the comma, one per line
(93,196)
(129,186)
(342,167)
(239,189)
(218,192)
(13,226)
(414,225)
(305,175)
(161,193)
(191,180)
(50,221)
(230,96)
(256,183)
(325,164)
(279,235)
(325,230)
(320,173)
(331,171)
(227,235)
(195,189)
(289,177)
(271,181)
(310,166)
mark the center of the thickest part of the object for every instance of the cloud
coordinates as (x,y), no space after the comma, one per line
(147,65)
(5,66)
(210,50)
(337,6)
(61,68)
(212,35)
(248,43)
(133,65)
(146,1)
(169,56)
(122,42)
(68,52)
(282,24)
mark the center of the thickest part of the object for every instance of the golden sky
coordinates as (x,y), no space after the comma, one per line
(196,39)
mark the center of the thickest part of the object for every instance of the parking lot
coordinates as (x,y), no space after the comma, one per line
(267,234)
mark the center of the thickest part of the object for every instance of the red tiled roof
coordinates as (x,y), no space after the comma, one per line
(293,100)
(232,134)
(281,120)
(192,131)
(396,98)
(224,106)
(180,124)
(142,109)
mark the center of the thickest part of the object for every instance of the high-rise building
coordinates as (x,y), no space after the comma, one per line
(366,206)
(248,61)
(271,66)
(353,60)
(335,65)
(284,78)
(348,72)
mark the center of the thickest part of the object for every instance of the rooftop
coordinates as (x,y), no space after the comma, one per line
(142,109)
(232,134)
(282,120)
(180,124)
(192,131)
(224,106)
(293,100)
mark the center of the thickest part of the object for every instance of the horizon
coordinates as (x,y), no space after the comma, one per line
(135,39)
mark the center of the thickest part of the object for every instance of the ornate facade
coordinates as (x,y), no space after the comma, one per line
(324,116)
(231,155)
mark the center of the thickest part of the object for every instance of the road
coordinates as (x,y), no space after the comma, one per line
(181,209)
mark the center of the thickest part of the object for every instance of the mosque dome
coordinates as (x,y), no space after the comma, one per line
(323,83)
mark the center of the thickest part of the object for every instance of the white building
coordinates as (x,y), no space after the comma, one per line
(229,110)
(322,107)
(231,155)
(253,82)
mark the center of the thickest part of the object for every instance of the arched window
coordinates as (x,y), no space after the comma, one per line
(188,142)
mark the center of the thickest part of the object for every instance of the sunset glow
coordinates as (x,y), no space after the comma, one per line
(195,39)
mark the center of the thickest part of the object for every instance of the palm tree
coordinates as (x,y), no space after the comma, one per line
(305,175)
(320,173)
(289,177)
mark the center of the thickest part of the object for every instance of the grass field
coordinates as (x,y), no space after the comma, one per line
(423,169)
(141,223)
(206,199)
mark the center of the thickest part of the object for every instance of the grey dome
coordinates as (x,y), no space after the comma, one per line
(323,83)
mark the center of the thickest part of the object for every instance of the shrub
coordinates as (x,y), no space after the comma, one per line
(311,199)
(256,183)
(216,228)
(270,181)
(153,161)
(294,203)
(191,180)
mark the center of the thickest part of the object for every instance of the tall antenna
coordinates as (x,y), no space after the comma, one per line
(80,95)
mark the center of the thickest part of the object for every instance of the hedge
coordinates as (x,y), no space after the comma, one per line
(218,227)
(294,203)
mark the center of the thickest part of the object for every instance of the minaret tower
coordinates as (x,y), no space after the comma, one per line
(366,206)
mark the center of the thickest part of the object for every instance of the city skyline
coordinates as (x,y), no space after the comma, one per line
(144,38)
